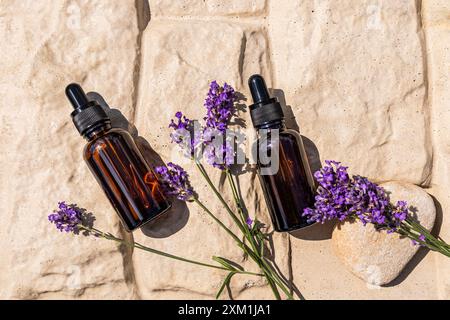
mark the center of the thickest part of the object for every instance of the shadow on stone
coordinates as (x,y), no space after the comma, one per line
(177,216)
(422,252)
(291,123)
(317,231)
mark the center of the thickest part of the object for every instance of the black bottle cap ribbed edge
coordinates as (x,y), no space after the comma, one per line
(86,114)
(264,108)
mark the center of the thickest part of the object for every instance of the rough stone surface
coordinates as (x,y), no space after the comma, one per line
(48,45)
(368,85)
(379,257)
(437,29)
(186,8)
(350,72)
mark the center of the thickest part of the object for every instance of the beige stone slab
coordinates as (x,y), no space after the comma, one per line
(187,8)
(355,78)
(45,46)
(437,26)
(322,276)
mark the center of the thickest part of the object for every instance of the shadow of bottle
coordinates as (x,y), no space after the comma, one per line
(316,231)
(177,216)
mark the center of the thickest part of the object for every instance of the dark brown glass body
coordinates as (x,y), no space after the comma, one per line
(130,185)
(291,189)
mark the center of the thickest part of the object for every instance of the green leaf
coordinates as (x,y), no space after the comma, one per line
(225,283)
(261,247)
(255,226)
(226,264)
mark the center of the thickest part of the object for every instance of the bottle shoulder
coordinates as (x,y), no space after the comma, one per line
(290,132)
(283,133)
(109,134)
(103,141)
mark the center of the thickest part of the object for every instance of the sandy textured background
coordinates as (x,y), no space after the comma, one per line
(367,82)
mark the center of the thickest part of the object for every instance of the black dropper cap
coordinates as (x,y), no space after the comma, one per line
(87,114)
(264,108)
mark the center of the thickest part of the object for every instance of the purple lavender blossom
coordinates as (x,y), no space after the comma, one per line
(340,197)
(249,222)
(401,210)
(175,181)
(220,108)
(181,122)
(66,218)
(221,157)
(219,103)
(184,133)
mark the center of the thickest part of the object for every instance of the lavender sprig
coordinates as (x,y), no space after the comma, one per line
(175,181)
(219,156)
(219,105)
(339,197)
(185,134)
(66,218)
(70,218)
(210,138)
(342,197)
(220,108)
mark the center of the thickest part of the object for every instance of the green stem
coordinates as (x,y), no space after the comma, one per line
(272,273)
(277,279)
(419,228)
(235,195)
(240,224)
(219,196)
(237,200)
(240,243)
(413,230)
(235,237)
(137,245)
(230,212)
(273,286)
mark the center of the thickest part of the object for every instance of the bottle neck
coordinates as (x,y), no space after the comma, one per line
(97,130)
(275,124)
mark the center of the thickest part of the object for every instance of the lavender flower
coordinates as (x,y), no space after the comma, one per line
(249,222)
(219,103)
(221,156)
(175,181)
(181,122)
(66,218)
(340,197)
(184,133)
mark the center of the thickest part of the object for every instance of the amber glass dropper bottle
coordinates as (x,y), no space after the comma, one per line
(288,188)
(116,163)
